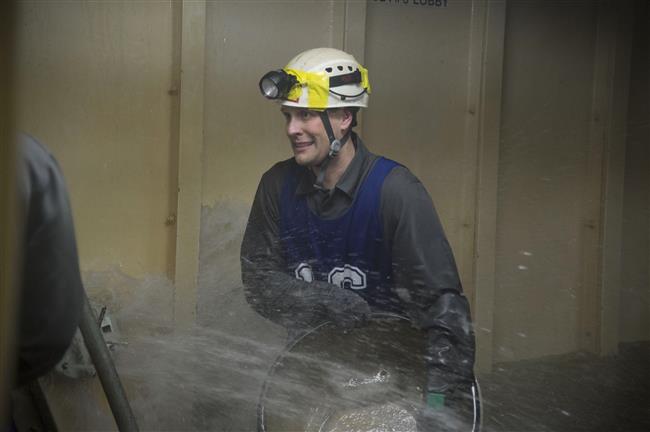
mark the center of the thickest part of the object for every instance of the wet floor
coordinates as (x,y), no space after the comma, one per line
(211,381)
(573,392)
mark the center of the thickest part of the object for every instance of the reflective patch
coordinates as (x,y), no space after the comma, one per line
(348,276)
(304,272)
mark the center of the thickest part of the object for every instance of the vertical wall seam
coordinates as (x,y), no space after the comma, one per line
(174,133)
(470,145)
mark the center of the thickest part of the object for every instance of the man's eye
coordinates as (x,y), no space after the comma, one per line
(305,115)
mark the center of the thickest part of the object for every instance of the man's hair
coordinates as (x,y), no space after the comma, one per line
(354,111)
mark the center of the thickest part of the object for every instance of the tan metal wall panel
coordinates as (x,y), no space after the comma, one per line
(548,73)
(418,58)
(612,69)
(635,290)
(244,134)
(93,83)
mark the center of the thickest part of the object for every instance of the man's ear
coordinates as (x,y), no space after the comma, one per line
(346,119)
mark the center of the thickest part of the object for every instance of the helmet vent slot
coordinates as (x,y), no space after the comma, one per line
(329,69)
(340,68)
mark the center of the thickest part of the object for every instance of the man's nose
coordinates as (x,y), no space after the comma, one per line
(293,126)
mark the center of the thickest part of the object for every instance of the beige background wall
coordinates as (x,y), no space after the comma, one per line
(510,114)
(93,81)
(635,290)
(545,131)
(456,90)
(243,134)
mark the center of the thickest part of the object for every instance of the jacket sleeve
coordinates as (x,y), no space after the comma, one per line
(51,292)
(427,281)
(273,293)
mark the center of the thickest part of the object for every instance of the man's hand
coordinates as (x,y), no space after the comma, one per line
(344,308)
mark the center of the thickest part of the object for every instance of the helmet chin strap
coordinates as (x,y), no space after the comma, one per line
(335,148)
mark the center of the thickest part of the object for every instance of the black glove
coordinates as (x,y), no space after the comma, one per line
(341,306)
(447,397)
(305,305)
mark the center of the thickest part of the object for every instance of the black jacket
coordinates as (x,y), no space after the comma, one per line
(50,294)
(424,270)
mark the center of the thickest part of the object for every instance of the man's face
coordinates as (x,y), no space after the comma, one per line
(307,135)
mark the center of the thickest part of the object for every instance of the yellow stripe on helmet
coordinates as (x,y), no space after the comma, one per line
(318,88)
(364,79)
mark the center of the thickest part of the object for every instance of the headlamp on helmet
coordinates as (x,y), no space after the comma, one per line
(276,84)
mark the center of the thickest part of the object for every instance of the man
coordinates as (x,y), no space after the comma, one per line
(337,232)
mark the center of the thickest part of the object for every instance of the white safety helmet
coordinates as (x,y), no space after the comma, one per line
(319,79)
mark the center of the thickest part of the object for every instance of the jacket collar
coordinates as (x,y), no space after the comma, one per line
(349,180)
